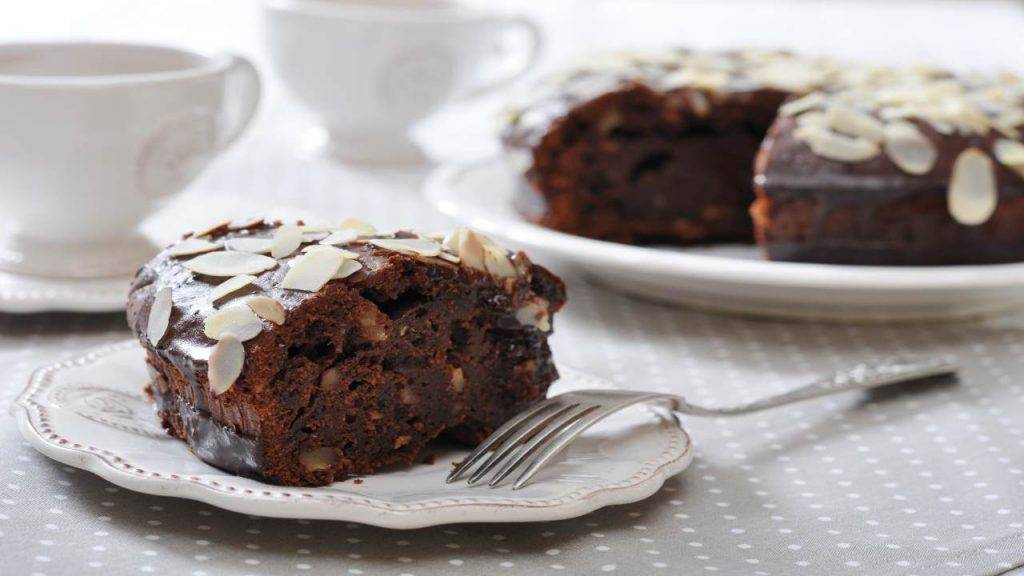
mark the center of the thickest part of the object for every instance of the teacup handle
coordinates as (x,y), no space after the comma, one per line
(516,71)
(244,88)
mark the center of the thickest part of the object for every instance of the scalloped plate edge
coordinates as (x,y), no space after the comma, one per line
(68,453)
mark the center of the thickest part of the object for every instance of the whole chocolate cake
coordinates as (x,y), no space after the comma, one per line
(653,147)
(917,169)
(863,165)
(301,355)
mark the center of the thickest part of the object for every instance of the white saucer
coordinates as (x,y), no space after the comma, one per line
(91,413)
(730,278)
(22,294)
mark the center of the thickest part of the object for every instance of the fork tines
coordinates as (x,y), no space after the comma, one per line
(542,431)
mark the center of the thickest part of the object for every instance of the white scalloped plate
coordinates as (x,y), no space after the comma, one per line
(23,294)
(730,278)
(91,413)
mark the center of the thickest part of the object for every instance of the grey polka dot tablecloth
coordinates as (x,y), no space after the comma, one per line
(922,481)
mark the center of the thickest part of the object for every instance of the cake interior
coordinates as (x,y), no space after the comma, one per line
(640,166)
(364,381)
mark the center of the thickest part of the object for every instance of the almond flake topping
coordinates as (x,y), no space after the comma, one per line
(230,285)
(192,246)
(227,358)
(159,315)
(347,268)
(909,149)
(340,237)
(229,264)
(1009,153)
(310,271)
(413,246)
(286,240)
(212,229)
(834,146)
(245,223)
(362,228)
(250,245)
(267,308)
(972,195)
(308,237)
(238,321)
(853,123)
(449,257)
(497,263)
(803,104)
(478,251)
(323,248)
(535,313)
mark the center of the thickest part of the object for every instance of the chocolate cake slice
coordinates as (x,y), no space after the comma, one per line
(302,355)
(910,168)
(653,147)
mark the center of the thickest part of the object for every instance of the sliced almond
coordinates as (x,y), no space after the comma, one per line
(413,246)
(837,147)
(909,149)
(159,315)
(314,229)
(471,249)
(972,195)
(308,237)
(451,240)
(362,228)
(243,223)
(212,229)
(812,118)
(803,104)
(226,264)
(535,313)
(347,268)
(192,246)
(250,245)
(340,237)
(230,285)
(851,122)
(267,308)
(322,458)
(1009,153)
(238,321)
(497,263)
(286,240)
(310,271)
(449,257)
(227,358)
(324,248)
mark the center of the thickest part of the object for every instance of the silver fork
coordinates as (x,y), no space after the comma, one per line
(535,436)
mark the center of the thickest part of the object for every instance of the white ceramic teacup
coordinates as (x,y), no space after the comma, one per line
(95,135)
(369,69)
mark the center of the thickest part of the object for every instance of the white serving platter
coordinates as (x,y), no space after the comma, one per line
(729,278)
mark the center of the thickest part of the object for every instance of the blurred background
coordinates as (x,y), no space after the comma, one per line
(971,34)
(269,166)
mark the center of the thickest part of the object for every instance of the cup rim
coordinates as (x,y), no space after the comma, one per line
(367,12)
(208,63)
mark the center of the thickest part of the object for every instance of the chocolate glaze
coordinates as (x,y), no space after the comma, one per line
(210,440)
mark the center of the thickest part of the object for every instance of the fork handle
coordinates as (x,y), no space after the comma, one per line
(862,376)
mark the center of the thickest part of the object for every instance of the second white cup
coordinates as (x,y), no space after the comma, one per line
(369,70)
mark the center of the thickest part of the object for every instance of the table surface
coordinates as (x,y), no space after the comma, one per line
(915,481)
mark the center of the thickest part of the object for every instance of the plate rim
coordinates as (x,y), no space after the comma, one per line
(280,501)
(62,294)
(626,257)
